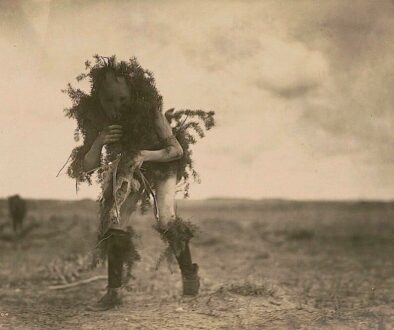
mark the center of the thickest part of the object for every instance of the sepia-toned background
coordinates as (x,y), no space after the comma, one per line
(302,90)
(296,206)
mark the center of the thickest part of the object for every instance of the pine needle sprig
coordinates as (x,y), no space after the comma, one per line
(176,233)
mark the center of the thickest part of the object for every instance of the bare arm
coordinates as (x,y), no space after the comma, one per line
(110,134)
(92,157)
(173,149)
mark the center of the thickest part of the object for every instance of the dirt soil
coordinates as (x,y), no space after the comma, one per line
(264,265)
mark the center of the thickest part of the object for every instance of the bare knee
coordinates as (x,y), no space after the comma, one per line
(166,214)
(166,206)
(166,199)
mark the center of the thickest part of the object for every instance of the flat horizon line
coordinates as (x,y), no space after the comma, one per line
(250,199)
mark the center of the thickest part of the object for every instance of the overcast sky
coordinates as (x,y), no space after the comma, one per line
(303,90)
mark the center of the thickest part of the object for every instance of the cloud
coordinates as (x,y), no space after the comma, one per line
(290,92)
(348,39)
(288,69)
(355,106)
(301,89)
(284,67)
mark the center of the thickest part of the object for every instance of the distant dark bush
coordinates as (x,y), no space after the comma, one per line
(301,235)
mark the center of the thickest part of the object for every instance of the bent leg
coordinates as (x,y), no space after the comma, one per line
(115,260)
(121,251)
(165,195)
(177,233)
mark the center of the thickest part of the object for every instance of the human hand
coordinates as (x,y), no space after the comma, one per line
(110,134)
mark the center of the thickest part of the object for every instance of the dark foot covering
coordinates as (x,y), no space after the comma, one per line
(191,281)
(110,300)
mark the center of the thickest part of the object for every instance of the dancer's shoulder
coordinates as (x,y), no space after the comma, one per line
(162,126)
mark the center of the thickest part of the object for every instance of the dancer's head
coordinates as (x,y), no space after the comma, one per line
(116,88)
(114,95)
